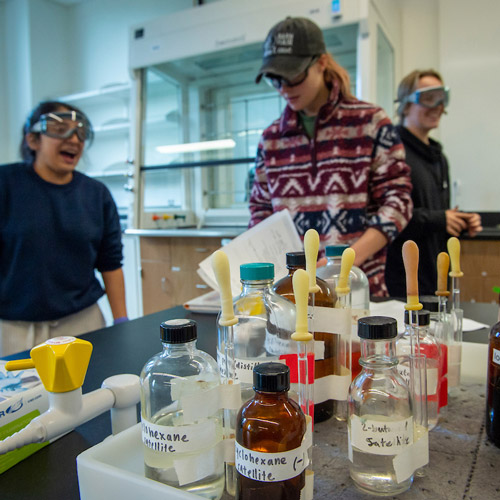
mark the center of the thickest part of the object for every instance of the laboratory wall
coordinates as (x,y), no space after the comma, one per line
(100,37)
(469,39)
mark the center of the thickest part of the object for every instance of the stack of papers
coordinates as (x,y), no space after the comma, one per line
(268,241)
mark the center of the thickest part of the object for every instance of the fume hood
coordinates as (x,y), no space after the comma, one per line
(199,113)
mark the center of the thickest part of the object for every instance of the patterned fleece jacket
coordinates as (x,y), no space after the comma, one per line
(350,176)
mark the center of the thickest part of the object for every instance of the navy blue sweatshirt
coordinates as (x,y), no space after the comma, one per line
(52,238)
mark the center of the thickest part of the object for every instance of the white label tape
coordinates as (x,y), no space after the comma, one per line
(329,320)
(380,437)
(270,467)
(195,467)
(207,403)
(496,356)
(179,439)
(306,493)
(331,387)
(412,457)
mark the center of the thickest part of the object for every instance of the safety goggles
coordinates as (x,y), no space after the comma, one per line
(277,81)
(430,97)
(63,124)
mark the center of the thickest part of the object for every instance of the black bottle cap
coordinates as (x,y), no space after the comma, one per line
(424,317)
(178,331)
(296,259)
(430,302)
(377,328)
(271,377)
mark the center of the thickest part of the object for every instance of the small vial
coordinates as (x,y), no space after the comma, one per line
(380,423)
(180,371)
(440,329)
(271,457)
(434,360)
(328,364)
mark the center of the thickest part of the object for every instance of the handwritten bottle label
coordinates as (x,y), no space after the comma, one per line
(179,439)
(243,368)
(380,437)
(270,467)
(496,356)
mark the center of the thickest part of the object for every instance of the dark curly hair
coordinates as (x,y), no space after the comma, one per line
(27,154)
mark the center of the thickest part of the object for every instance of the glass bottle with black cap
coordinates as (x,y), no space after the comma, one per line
(326,297)
(180,371)
(380,422)
(270,427)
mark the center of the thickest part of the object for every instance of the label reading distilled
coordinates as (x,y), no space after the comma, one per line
(270,467)
(496,356)
(178,439)
(380,437)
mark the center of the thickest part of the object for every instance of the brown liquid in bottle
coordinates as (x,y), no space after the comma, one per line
(270,423)
(493,387)
(324,298)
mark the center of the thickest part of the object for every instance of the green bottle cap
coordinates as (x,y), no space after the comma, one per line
(257,271)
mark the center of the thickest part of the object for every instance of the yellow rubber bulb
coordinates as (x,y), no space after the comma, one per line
(311,247)
(220,265)
(443,265)
(300,282)
(410,260)
(454,251)
(346,264)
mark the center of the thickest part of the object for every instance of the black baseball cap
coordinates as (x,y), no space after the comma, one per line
(290,47)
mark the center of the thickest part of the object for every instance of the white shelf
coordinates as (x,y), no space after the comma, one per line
(103,173)
(113,127)
(119,90)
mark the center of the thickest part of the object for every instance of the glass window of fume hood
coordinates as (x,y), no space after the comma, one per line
(203,99)
(163,187)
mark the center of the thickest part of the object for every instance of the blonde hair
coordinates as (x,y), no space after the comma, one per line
(335,72)
(408,85)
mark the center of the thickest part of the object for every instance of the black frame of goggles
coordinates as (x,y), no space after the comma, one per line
(276,81)
(414,97)
(83,128)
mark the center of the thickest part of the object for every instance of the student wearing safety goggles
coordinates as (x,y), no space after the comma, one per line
(57,226)
(333,161)
(422,100)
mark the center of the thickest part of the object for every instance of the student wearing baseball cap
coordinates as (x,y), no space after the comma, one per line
(336,163)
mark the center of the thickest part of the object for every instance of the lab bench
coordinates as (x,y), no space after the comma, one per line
(462,462)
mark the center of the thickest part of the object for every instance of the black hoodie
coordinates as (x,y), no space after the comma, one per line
(427,228)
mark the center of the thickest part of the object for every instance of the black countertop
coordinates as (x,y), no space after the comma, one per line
(51,472)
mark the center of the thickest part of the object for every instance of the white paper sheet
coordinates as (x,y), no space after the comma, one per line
(268,241)
(396,309)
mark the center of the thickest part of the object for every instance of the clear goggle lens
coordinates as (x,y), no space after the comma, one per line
(277,81)
(430,97)
(62,125)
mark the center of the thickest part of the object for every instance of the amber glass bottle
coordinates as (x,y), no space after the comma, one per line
(493,387)
(323,409)
(270,427)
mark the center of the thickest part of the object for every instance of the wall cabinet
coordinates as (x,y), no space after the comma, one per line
(169,265)
(480,263)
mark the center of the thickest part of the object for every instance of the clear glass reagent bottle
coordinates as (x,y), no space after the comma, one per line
(380,423)
(180,371)
(360,295)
